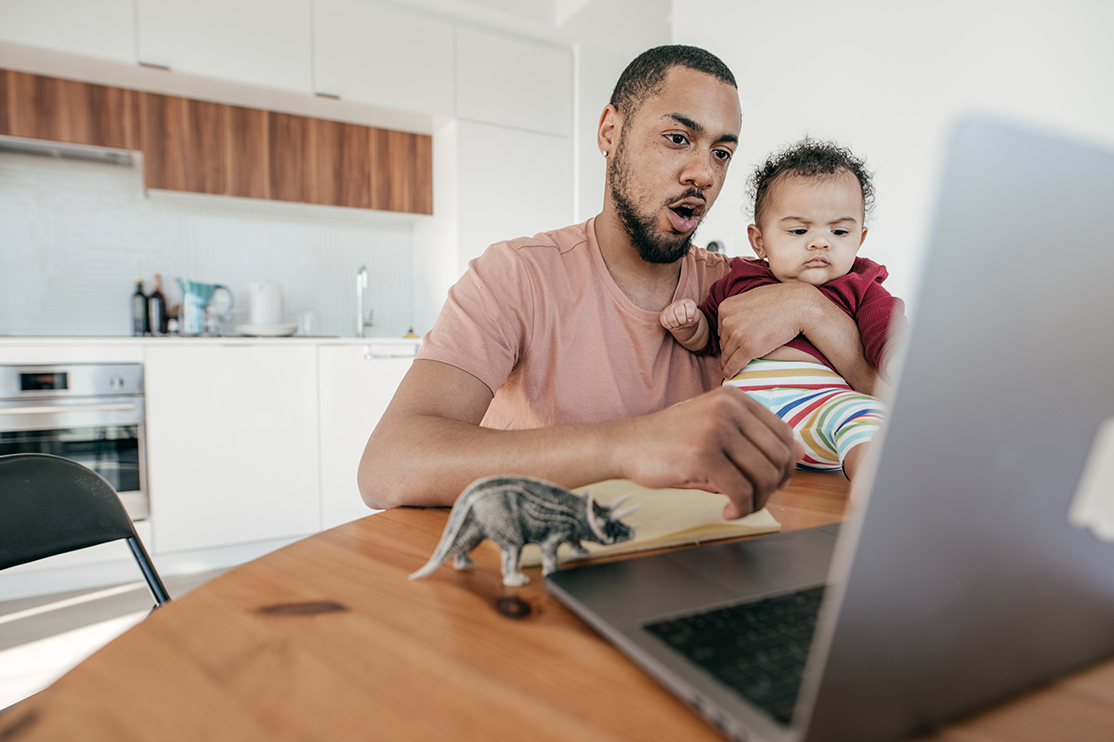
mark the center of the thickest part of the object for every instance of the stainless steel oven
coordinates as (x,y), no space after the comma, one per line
(91,413)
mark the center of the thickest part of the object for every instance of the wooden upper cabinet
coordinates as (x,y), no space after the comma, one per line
(339,164)
(183,144)
(288,145)
(247,152)
(401,171)
(59,110)
(202,147)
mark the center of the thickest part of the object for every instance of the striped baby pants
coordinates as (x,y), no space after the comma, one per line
(826,414)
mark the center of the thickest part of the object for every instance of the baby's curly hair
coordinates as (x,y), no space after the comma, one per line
(812,158)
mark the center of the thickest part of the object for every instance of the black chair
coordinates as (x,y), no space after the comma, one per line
(50,505)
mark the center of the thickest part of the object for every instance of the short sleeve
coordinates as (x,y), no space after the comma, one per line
(485,324)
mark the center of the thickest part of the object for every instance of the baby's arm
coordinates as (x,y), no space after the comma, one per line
(687,324)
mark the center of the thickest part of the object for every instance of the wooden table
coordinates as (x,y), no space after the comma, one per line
(326,639)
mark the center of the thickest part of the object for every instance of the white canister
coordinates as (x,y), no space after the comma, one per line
(264,303)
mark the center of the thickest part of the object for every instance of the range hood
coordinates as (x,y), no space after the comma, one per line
(44,148)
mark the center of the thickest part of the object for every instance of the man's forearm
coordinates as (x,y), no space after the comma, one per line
(428,460)
(756,322)
(836,335)
(429,446)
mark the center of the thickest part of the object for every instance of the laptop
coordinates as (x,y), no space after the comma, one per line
(978,560)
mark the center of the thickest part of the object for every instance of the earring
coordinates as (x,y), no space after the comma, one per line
(605,153)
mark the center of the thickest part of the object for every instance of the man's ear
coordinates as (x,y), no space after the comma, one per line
(607,134)
(754,234)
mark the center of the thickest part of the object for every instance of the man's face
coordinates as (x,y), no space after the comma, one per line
(671,160)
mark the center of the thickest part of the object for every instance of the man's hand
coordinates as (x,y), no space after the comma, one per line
(756,322)
(722,441)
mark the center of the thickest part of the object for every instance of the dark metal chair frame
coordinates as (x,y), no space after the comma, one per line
(51,505)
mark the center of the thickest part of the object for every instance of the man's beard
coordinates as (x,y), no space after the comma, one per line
(652,246)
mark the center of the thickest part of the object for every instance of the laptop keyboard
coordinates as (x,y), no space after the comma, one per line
(756,648)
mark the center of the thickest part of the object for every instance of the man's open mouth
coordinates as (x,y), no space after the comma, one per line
(685,214)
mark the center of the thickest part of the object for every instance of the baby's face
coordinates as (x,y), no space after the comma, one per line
(811,228)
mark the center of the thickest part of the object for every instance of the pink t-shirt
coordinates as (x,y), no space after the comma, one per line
(541,322)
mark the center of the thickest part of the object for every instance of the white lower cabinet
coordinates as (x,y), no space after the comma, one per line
(356,384)
(232,444)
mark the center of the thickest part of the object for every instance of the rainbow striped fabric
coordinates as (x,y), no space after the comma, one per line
(827,415)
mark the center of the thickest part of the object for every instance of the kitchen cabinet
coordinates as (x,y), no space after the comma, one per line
(360,51)
(204,147)
(50,108)
(266,43)
(339,164)
(232,443)
(356,384)
(401,171)
(248,164)
(183,144)
(288,147)
(491,167)
(513,82)
(104,29)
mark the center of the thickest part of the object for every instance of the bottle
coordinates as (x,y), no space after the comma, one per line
(140,325)
(156,303)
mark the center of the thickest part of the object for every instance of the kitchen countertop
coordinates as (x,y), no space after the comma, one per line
(113,340)
(43,350)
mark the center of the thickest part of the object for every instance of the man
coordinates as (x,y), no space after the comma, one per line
(553,342)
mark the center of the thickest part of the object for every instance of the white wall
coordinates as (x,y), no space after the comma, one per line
(74,236)
(889,79)
(596,74)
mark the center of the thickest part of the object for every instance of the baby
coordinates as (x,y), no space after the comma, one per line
(810,204)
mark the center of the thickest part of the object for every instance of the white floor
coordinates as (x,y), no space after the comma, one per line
(28,668)
(43,638)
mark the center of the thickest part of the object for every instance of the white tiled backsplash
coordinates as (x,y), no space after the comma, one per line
(75,235)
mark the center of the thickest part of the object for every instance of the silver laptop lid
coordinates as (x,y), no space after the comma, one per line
(965,581)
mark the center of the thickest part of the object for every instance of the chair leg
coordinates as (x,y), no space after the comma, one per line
(158,590)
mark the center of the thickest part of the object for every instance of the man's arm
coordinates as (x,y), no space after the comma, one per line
(429,446)
(756,322)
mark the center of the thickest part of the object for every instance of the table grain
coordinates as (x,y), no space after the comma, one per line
(327,639)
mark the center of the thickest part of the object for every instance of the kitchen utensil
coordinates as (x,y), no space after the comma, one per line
(267,331)
(264,303)
(195,298)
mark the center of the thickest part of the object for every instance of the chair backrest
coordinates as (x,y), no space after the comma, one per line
(51,505)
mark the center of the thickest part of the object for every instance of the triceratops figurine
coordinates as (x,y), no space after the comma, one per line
(514,511)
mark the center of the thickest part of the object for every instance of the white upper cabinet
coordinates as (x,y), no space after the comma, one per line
(382,57)
(513,82)
(94,28)
(266,43)
(491,181)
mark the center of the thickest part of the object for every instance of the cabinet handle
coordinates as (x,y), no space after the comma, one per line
(55,409)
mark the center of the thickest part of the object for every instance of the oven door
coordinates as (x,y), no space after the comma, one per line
(102,433)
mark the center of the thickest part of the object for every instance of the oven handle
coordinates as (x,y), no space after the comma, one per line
(55,409)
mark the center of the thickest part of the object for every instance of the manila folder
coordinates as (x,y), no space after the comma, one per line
(667,517)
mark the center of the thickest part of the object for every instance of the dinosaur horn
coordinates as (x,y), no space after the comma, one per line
(620,514)
(593,521)
(620,500)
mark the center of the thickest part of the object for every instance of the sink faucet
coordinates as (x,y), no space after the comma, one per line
(361,285)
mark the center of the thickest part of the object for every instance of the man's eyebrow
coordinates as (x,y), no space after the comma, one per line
(699,128)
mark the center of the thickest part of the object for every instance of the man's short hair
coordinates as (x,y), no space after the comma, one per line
(644,77)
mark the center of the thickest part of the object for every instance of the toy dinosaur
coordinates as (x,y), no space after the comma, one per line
(514,511)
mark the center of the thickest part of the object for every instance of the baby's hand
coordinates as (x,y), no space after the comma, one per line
(681,313)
